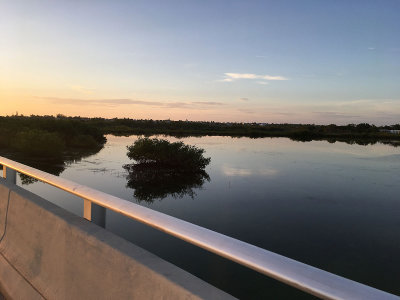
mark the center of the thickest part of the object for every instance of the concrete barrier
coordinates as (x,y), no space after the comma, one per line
(47,252)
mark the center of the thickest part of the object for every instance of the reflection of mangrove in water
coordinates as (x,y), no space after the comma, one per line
(151,181)
(53,166)
(350,141)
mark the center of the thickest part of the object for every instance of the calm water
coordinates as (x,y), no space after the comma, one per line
(333,206)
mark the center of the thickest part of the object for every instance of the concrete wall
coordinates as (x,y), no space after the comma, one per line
(47,252)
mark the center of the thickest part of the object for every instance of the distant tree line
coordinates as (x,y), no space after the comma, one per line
(351,133)
(177,128)
(51,136)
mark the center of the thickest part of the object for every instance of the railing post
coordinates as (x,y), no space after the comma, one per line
(10,175)
(94,213)
(87,210)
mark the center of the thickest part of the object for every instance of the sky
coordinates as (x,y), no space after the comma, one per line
(309,61)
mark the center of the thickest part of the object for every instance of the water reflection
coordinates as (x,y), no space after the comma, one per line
(351,141)
(243,172)
(333,206)
(152,183)
(53,166)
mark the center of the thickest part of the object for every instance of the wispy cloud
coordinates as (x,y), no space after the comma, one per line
(229,77)
(371,48)
(207,103)
(365,103)
(246,110)
(122,101)
(244,99)
(376,111)
(335,115)
(253,76)
(108,102)
(81,89)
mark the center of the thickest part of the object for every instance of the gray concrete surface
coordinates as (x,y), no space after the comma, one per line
(47,252)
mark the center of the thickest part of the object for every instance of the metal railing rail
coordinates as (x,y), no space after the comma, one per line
(299,275)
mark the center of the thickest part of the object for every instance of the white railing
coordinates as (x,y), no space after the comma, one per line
(304,277)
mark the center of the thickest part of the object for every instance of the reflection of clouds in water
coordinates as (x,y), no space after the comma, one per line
(263,152)
(268,172)
(232,171)
(388,158)
(236,171)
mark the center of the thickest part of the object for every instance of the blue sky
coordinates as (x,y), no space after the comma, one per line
(264,61)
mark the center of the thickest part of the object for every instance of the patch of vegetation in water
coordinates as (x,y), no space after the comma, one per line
(162,153)
(165,169)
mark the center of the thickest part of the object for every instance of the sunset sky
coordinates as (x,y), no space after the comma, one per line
(265,61)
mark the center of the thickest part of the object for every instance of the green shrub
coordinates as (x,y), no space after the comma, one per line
(38,143)
(167,154)
(5,137)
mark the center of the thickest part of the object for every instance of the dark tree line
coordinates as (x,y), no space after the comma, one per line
(48,136)
(295,131)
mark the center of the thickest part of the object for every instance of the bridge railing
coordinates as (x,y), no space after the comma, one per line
(299,275)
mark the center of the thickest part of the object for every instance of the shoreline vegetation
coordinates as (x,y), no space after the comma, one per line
(162,153)
(47,136)
(48,143)
(55,137)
